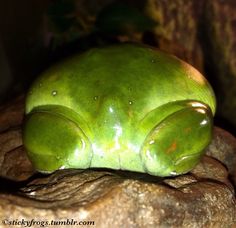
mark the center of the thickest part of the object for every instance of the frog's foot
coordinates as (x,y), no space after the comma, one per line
(176,144)
(54,141)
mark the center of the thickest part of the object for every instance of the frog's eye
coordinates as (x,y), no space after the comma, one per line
(176,144)
(54,141)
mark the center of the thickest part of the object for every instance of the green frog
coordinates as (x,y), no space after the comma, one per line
(125,106)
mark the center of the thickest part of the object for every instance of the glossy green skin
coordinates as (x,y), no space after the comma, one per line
(123,107)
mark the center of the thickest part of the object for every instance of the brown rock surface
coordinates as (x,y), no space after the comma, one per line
(11,114)
(202,198)
(177,30)
(14,163)
(219,45)
(223,148)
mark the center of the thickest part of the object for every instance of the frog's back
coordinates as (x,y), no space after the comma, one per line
(135,78)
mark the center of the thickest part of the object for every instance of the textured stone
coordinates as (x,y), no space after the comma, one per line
(110,199)
(202,198)
(11,114)
(177,30)
(223,148)
(218,33)
(14,163)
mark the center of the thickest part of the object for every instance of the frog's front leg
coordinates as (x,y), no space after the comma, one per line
(55,140)
(175,145)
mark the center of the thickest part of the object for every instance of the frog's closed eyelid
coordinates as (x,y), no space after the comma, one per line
(177,142)
(67,113)
(155,116)
(56,142)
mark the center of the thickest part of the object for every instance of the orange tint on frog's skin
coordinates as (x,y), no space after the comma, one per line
(119,107)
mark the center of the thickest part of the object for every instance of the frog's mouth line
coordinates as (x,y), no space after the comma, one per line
(66,113)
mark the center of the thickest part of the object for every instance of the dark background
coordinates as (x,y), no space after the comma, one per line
(35,34)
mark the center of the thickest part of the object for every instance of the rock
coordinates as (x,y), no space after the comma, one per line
(14,163)
(11,114)
(110,199)
(202,198)
(16,169)
(218,34)
(223,148)
(177,30)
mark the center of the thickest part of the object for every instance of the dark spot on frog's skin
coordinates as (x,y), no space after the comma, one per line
(97,83)
(171,148)
(188,130)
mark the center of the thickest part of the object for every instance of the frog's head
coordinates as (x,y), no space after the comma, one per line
(121,107)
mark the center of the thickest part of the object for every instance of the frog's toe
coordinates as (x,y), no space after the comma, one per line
(54,142)
(177,143)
